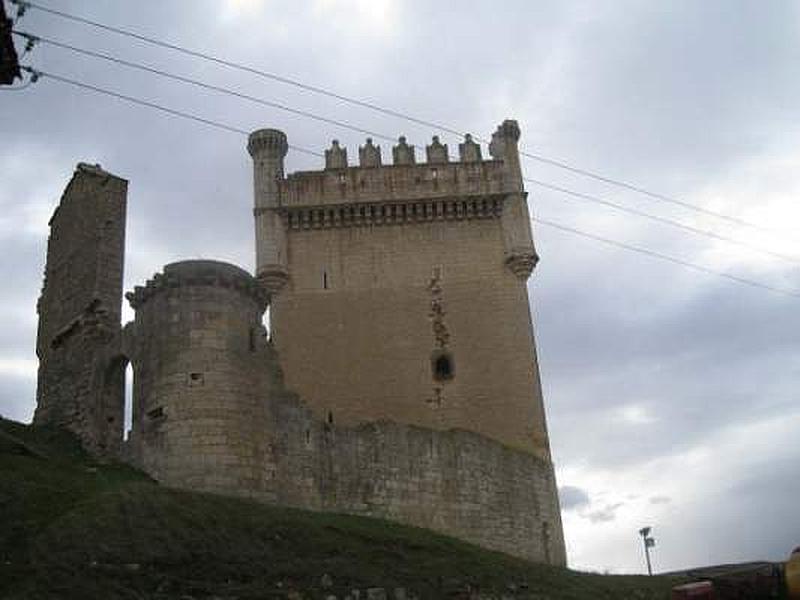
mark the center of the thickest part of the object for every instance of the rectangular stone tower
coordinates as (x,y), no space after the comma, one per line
(399,291)
(81,377)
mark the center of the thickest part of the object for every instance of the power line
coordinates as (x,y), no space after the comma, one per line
(390,112)
(201,84)
(153,105)
(646,192)
(185,115)
(32,39)
(234,65)
(668,258)
(657,219)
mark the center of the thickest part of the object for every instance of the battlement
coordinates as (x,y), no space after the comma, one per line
(197,273)
(406,180)
(394,183)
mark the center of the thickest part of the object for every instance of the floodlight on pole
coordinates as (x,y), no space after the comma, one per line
(649,542)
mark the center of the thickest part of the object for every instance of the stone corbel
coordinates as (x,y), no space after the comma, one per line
(522,263)
(272,279)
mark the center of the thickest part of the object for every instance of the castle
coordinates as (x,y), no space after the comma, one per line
(399,379)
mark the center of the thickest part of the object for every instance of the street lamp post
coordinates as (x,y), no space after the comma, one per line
(649,542)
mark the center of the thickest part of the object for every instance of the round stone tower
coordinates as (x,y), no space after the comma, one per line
(268,148)
(201,378)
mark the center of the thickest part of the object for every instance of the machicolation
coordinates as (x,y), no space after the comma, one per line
(400,379)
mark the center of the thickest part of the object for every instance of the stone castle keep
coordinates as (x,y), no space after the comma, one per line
(400,379)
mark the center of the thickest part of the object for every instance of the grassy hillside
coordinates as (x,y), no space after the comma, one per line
(71,528)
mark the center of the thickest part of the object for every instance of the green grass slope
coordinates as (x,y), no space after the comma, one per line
(72,528)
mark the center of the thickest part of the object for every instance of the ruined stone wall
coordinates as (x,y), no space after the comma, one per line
(201,379)
(455,482)
(81,375)
(211,413)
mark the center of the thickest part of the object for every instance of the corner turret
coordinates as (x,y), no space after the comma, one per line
(268,148)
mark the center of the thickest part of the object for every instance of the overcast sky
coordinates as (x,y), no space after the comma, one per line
(671,394)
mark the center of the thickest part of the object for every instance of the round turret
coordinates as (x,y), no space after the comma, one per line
(200,387)
(267,143)
(268,148)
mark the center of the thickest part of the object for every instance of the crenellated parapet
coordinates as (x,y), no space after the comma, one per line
(268,144)
(406,180)
(372,193)
(193,273)
(393,183)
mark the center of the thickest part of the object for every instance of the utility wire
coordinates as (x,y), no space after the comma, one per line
(657,219)
(201,84)
(153,105)
(668,258)
(393,113)
(33,39)
(185,115)
(234,65)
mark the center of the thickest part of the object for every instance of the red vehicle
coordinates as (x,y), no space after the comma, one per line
(748,581)
(700,590)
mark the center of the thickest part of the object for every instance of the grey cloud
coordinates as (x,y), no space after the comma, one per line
(674,96)
(604,514)
(572,497)
(16,395)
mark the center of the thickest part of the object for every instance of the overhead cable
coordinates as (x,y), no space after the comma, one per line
(153,105)
(31,38)
(668,258)
(210,122)
(393,113)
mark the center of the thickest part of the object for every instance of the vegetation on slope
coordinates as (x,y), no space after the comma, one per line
(72,528)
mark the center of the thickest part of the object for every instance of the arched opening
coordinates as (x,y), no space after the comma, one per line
(113,401)
(265,321)
(443,366)
(128,410)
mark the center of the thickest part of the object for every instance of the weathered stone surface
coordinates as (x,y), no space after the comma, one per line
(400,314)
(81,373)
(386,263)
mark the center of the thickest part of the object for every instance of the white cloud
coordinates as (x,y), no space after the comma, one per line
(18,367)
(634,414)
(764,190)
(684,496)
(375,19)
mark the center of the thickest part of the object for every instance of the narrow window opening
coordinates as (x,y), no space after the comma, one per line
(196,379)
(308,437)
(127,412)
(443,368)
(265,321)
(324,280)
(330,418)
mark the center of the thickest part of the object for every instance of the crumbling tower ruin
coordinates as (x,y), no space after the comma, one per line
(81,373)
